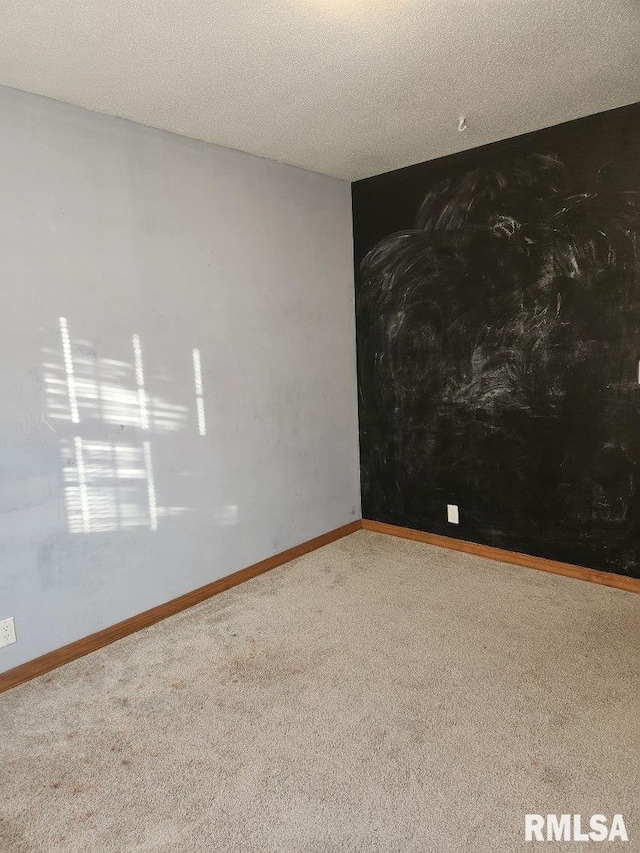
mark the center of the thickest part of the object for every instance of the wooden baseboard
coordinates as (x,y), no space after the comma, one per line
(502,556)
(58,657)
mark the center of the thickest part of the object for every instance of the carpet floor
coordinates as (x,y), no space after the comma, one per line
(375,695)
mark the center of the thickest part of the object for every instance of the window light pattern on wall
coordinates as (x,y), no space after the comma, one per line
(110,484)
(197,375)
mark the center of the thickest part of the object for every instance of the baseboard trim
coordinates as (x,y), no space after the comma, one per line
(79,648)
(491,553)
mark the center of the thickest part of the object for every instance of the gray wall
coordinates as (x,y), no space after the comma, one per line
(149,246)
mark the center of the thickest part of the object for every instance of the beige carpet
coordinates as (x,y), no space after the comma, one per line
(376,695)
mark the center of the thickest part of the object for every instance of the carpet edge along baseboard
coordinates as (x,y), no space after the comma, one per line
(52,660)
(79,648)
(502,556)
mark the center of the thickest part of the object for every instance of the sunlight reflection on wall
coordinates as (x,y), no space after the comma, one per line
(106,487)
(197,378)
(87,387)
(111,485)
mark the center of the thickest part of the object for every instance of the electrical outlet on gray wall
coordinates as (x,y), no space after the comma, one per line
(7,632)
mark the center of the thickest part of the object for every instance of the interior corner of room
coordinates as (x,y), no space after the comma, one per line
(320,353)
(179,382)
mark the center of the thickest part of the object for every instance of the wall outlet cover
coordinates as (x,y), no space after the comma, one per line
(453,516)
(7,632)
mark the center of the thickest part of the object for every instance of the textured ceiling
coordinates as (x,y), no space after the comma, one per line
(350,88)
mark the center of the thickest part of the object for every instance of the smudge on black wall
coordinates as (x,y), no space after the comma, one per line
(498,322)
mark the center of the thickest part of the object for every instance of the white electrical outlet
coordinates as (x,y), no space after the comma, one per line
(453,516)
(7,632)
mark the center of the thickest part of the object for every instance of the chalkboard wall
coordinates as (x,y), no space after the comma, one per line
(498,325)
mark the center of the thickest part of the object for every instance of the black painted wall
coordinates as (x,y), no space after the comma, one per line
(498,322)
